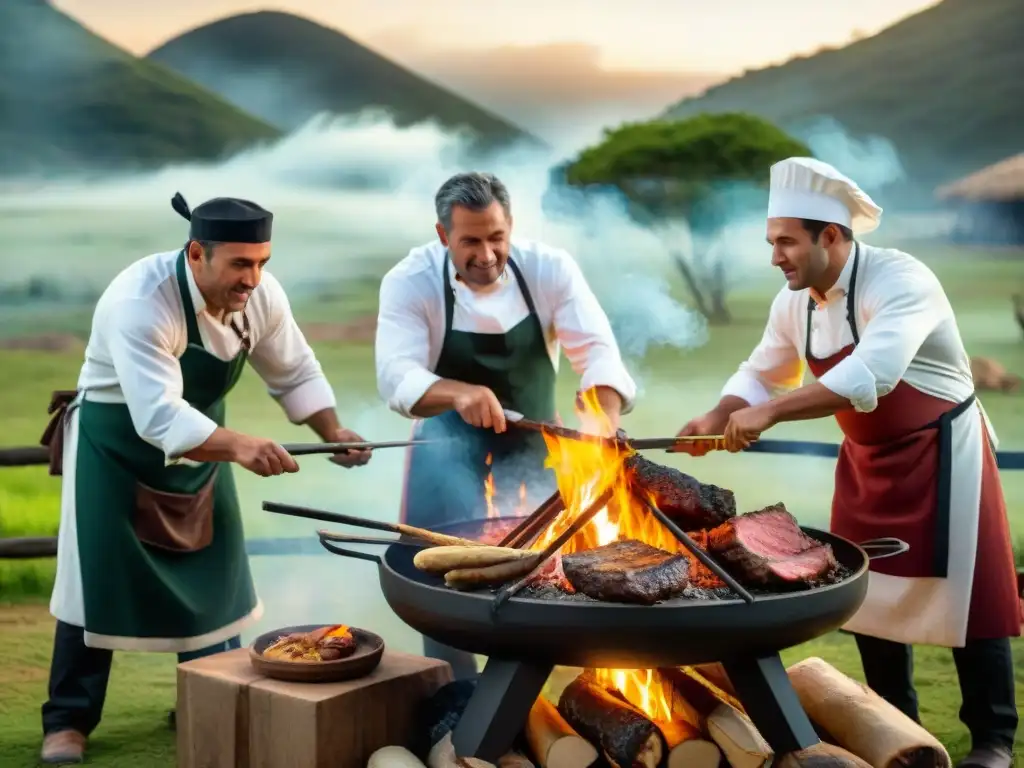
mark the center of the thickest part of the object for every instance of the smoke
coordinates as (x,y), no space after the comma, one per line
(351,196)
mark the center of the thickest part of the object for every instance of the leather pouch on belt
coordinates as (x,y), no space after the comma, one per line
(53,437)
(176,522)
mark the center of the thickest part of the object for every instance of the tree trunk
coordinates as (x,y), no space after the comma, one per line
(712,305)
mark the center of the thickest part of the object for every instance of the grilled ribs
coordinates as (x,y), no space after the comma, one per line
(685,500)
(627,571)
(767,548)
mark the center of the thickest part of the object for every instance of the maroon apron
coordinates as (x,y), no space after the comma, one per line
(893,478)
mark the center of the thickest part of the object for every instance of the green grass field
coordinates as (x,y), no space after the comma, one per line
(675,385)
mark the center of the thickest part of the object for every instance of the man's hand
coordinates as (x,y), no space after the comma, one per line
(349,458)
(746,425)
(711,423)
(263,456)
(479,407)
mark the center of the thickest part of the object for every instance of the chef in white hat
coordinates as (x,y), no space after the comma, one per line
(876,330)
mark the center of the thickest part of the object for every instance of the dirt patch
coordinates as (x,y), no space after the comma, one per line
(44,342)
(361,330)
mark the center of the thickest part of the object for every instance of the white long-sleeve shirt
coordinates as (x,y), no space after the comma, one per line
(907,332)
(139,332)
(411,320)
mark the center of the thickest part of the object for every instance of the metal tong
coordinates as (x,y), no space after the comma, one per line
(308,449)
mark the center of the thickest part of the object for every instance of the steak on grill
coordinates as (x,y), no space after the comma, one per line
(687,501)
(767,548)
(627,571)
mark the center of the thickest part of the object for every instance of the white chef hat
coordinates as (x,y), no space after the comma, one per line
(805,188)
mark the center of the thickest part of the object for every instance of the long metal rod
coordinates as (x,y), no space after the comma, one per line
(308,449)
(700,554)
(539,518)
(552,549)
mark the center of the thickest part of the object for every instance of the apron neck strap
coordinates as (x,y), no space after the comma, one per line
(191,323)
(851,309)
(449,291)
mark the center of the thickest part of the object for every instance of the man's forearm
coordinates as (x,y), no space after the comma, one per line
(325,423)
(729,404)
(219,446)
(815,401)
(438,399)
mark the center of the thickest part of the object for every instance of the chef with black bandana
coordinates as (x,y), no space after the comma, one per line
(151,552)
(472,324)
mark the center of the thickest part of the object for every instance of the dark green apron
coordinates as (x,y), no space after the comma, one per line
(170,588)
(445,480)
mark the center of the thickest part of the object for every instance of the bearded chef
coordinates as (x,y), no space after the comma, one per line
(151,552)
(473,324)
(875,328)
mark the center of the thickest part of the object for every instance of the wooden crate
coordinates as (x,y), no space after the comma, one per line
(230,717)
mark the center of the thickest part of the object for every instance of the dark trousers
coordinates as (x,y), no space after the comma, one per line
(79,675)
(985,672)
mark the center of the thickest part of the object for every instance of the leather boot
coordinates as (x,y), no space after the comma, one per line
(62,748)
(987,757)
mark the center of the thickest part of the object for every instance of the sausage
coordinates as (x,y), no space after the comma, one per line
(471,578)
(444,559)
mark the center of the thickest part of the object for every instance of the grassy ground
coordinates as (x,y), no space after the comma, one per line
(675,385)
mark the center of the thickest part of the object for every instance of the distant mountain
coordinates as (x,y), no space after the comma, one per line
(69,99)
(944,86)
(286,69)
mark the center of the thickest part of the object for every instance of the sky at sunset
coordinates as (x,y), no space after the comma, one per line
(543,60)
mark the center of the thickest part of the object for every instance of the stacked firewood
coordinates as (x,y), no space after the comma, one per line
(593,724)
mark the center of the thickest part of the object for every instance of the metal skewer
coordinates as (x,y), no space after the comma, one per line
(308,449)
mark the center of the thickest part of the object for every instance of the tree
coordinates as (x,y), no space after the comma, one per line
(705,171)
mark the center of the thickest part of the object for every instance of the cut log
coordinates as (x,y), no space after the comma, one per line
(442,755)
(822,756)
(686,748)
(626,737)
(863,722)
(394,757)
(553,741)
(738,738)
(703,696)
(715,673)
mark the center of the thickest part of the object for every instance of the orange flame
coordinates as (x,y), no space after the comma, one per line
(492,508)
(643,688)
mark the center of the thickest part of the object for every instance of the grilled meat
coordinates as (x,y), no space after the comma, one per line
(627,571)
(687,501)
(767,548)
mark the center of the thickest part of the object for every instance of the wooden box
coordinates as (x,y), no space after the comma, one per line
(230,717)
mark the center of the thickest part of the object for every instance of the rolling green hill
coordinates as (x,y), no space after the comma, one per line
(945,86)
(286,69)
(70,99)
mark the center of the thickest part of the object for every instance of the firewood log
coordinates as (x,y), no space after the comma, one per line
(703,696)
(861,721)
(553,741)
(822,756)
(716,675)
(738,738)
(394,757)
(627,738)
(442,755)
(686,748)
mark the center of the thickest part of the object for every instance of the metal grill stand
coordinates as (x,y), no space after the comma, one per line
(506,690)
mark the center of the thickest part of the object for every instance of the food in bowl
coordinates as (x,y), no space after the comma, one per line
(325,644)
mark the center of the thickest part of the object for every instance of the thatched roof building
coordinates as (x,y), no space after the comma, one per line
(1000,182)
(989,203)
